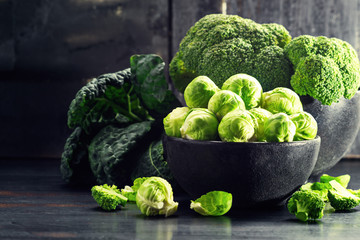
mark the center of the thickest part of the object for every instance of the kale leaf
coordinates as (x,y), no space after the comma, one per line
(152,163)
(104,100)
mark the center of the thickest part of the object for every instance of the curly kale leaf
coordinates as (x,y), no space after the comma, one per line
(110,98)
(150,84)
(152,163)
(75,166)
(114,151)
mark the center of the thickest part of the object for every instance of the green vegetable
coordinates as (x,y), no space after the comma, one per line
(220,46)
(130,192)
(247,87)
(325,68)
(237,126)
(225,101)
(355,192)
(108,197)
(112,108)
(198,93)
(153,163)
(150,84)
(306,126)
(279,128)
(306,205)
(74,166)
(215,203)
(113,152)
(107,99)
(282,100)
(342,179)
(340,198)
(155,197)
(174,120)
(260,116)
(200,124)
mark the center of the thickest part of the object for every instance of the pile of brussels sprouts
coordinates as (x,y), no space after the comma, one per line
(239,112)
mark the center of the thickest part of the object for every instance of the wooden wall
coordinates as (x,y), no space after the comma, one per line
(50,48)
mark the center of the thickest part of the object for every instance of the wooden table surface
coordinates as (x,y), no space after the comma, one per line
(36,204)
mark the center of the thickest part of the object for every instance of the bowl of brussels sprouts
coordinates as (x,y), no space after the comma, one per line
(259,146)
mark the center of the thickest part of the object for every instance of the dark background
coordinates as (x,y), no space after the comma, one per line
(50,48)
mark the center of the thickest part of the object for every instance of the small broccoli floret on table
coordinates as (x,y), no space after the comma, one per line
(108,197)
(340,198)
(306,205)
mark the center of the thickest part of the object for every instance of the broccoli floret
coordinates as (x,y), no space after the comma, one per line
(219,46)
(340,198)
(355,192)
(108,197)
(325,68)
(306,205)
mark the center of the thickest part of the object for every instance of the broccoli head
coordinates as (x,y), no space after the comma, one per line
(108,197)
(306,205)
(219,46)
(325,68)
(340,198)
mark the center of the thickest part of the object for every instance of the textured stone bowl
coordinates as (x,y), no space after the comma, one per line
(338,126)
(255,173)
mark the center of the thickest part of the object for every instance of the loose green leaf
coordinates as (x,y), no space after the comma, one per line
(215,203)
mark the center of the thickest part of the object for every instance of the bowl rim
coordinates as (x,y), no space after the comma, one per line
(214,142)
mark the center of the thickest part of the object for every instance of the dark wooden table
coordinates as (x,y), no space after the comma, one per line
(36,204)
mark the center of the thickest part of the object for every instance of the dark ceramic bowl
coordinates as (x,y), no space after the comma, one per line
(338,126)
(255,173)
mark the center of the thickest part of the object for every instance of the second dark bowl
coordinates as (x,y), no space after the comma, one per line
(338,126)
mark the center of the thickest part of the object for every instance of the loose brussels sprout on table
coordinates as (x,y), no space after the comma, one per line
(199,91)
(155,197)
(282,100)
(225,101)
(247,87)
(200,124)
(237,126)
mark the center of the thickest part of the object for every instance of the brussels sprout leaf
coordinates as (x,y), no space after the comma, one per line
(215,203)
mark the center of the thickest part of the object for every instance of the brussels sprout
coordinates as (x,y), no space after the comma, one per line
(237,126)
(215,203)
(155,197)
(223,102)
(306,126)
(200,124)
(279,128)
(282,100)
(199,91)
(247,87)
(259,115)
(174,120)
